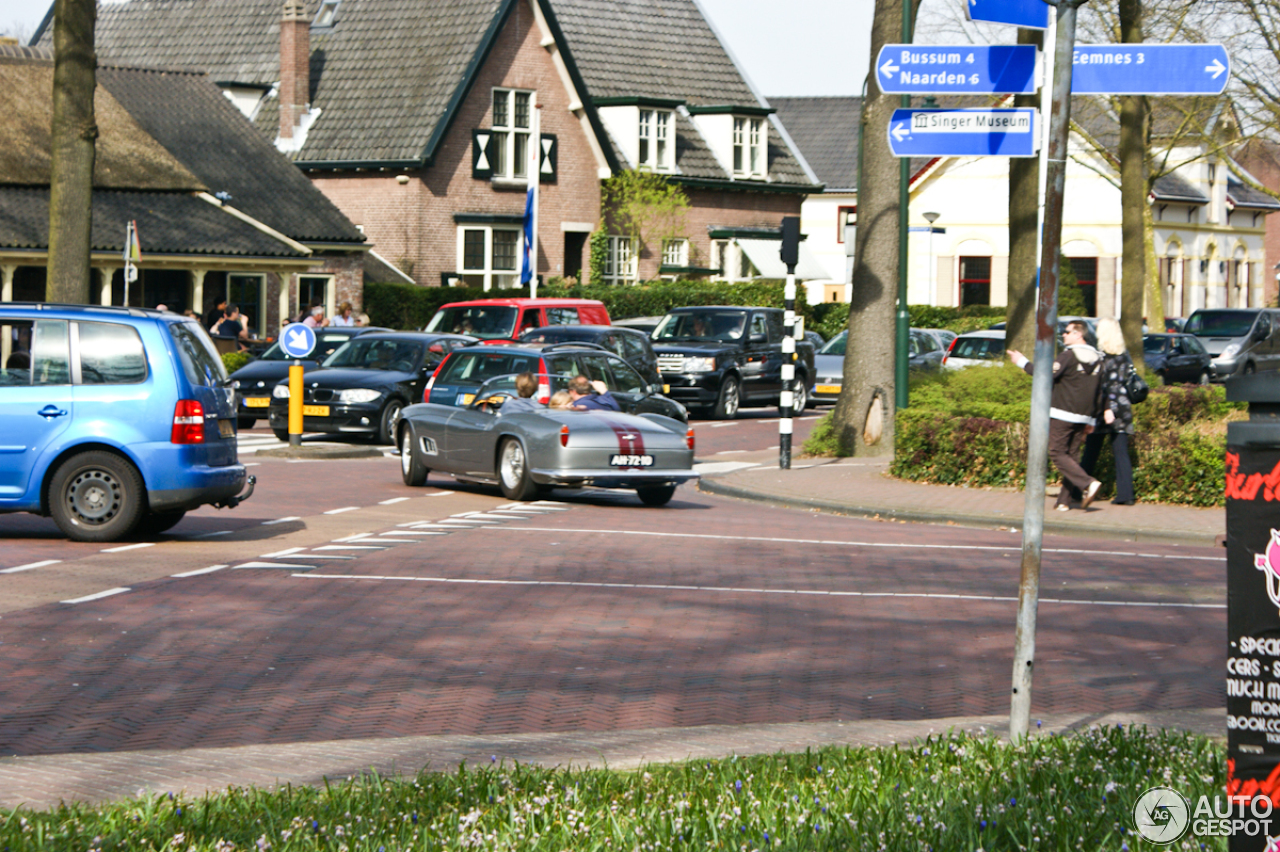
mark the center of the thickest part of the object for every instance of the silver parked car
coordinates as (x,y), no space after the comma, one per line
(528,452)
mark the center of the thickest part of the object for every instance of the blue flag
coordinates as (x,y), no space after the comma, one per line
(526,269)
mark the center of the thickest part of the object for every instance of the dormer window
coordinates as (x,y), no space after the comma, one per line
(326,15)
(655,135)
(748,147)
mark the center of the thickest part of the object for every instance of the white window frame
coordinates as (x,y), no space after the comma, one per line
(655,139)
(750,141)
(510,139)
(490,276)
(326,14)
(675,252)
(720,253)
(622,262)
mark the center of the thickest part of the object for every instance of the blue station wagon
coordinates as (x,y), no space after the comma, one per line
(113,420)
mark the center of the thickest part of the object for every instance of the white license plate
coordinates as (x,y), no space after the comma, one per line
(226,429)
(624,460)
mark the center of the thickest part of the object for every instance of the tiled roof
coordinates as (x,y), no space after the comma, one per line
(382,75)
(190,117)
(1246,196)
(1174,187)
(826,131)
(168,223)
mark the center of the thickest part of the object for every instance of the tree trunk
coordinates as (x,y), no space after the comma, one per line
(74,131)
(1133,196)
(1024,233)
(864,415)
(1156,310)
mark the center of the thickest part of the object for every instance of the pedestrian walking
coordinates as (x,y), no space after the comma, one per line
(1071,411)
(1115,408)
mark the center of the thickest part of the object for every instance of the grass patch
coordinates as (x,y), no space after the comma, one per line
(954,792)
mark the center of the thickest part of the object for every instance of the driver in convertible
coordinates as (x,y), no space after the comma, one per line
(526,386)
(591,396)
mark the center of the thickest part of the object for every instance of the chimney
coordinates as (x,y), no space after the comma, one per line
(295,66)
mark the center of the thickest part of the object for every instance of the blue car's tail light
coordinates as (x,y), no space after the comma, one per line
(188,423)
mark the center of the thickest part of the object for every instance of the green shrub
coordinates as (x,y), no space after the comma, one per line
(960,320)
(235,360)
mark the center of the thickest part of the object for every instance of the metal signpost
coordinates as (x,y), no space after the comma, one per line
(964,132)
(911,69)
(1031,14)
(297,341)
(1150,69)
(790,255)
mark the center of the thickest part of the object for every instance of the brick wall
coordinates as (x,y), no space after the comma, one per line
(412,224)
(1263,162)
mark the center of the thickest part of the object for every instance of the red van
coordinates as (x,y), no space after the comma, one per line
(505,319)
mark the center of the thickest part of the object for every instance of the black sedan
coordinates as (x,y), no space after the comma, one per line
(628,344)
(362,388)
(256,379)
(1177,358)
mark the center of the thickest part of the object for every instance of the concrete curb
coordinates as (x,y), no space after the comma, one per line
(320,453)
(715,485)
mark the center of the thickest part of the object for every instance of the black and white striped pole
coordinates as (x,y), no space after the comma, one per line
(790,257)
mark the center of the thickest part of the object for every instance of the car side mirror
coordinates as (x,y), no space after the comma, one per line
(759,337)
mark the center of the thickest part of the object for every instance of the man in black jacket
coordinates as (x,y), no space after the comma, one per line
(1071,411)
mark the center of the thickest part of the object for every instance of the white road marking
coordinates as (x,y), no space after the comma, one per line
(281,520)
(332,556)
(722,425)
(996,547)
(482,516)
(97,595)
(349,547)
(252,464)
(392,500)
(343,509)
(441,493)
(199,571)
(30,565)
(125,547)
(355,537)
(287,552)
(285,565)
(412,532)
(212,534)
(395,540)
(731,452)
(758,591)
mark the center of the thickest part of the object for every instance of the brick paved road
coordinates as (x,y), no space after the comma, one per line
(567,622)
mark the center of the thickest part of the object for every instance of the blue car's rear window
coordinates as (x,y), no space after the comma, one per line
(200,360)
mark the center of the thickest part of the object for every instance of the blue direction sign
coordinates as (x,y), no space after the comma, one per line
(964,132)
(1149,69)
(1032,14)
(909,69)
(297,340)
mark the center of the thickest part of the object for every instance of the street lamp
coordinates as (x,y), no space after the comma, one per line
(933,284)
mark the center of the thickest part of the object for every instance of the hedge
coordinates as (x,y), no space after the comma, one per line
(969,428)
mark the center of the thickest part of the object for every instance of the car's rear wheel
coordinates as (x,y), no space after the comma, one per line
(96,496)
(729,399)
(799,397)
(246,422)
(513,471)
(412,470)
(656,495)
(154,523)
(390,419)
(1205,378)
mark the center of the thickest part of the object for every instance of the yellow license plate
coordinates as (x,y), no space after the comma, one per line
(256,402)
(315,411)
(464,399)
(828,389)
(666,388)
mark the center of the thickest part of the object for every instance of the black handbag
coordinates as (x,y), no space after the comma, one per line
(1136,388)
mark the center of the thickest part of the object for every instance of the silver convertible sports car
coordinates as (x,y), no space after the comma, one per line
(530,452)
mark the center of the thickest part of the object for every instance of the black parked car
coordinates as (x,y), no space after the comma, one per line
(1177,358)
(458,378)
(726,357)
(630,345)
(362,388)
(258,377)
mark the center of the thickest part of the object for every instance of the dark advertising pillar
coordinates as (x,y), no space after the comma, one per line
(1253,604)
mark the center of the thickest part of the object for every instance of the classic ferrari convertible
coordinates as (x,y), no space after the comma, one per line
(530,452)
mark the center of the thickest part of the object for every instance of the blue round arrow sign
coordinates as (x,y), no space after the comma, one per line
(297,340)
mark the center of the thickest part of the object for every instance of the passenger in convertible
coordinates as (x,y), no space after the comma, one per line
(591,396)
(526,386)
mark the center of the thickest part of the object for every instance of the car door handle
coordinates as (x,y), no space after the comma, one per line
(51,411)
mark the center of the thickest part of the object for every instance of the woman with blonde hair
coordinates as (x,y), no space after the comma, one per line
(1116,410)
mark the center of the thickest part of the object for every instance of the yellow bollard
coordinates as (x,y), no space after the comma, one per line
(295,404)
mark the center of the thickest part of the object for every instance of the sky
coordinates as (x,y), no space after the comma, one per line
(786,47)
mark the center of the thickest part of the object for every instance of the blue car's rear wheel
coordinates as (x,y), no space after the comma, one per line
(96,496)
(513,471)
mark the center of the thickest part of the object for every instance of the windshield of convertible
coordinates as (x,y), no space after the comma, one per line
(365,353)
(701,325)
(489,322)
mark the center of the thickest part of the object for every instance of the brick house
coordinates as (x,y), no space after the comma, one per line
(414,116)
(220,213)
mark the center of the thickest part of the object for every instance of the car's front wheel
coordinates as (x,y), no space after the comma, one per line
(390,419)
(412,470)
(656,495)
(799,397)
(513,471)
(729,399)
(1205,378)
(96,496)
